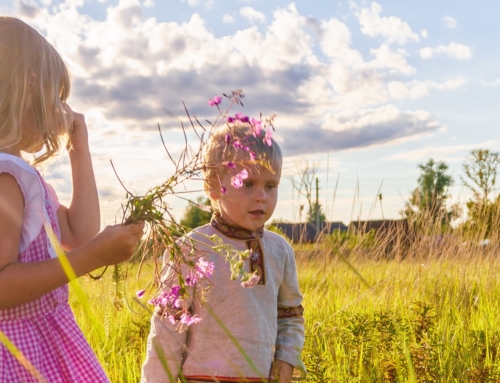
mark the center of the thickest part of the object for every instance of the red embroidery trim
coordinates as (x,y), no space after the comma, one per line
(222,379)
(290,312)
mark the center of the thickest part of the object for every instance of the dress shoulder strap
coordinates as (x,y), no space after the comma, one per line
(34,196)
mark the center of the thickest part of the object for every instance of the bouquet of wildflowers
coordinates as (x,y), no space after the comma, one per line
(187,266)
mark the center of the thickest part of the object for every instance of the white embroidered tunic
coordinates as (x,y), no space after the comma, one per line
(205,351)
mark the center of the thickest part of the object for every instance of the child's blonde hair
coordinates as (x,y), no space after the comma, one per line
(236,143)
(31,70)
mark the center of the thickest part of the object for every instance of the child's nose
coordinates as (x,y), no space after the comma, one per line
(260,194)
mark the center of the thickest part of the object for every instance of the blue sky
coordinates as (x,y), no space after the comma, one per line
(367,90)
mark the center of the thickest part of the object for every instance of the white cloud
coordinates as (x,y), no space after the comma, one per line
(454,50)
(491,83)
(148,3)
(396,61)
(279,67)
(426,53)
(416,89)
(392,29)
(128,69)
(449,22)
(191,3)
(252,15)
(228,19)
(441,152)
(424,33)
(360,128)
(194,3)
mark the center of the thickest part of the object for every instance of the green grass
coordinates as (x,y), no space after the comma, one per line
(434,320)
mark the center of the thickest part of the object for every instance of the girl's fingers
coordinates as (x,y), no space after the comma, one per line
(137,228)
(69,115)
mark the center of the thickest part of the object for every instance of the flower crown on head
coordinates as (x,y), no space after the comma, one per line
(257,130)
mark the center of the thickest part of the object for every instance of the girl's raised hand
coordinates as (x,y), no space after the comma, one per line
(79,137)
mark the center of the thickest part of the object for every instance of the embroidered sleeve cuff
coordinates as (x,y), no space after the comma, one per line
(290,312)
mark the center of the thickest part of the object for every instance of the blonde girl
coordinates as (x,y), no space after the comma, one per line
(34,313)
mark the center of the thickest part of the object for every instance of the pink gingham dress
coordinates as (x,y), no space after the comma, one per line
(44,330)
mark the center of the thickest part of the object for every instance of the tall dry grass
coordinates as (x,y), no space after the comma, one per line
(397,306)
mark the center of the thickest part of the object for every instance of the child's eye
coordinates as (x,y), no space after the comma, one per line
(270,186)
(248,184)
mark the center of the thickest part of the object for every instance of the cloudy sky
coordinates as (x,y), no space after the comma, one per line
(367,90)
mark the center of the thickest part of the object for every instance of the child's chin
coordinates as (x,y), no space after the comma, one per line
(255,225)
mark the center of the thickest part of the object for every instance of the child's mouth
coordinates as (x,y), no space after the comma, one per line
(257,213)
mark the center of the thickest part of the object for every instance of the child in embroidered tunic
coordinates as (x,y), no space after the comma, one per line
(245,334)
(34,313)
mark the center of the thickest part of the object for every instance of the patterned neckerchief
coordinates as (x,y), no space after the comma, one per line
(252,240)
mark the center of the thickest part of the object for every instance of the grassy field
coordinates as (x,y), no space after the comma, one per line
(427,318)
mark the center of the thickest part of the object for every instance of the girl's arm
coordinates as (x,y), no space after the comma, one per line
(24,282)
(81,221)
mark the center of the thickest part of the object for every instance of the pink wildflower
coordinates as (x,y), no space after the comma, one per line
(237,145)
(237,180)
(188,320)
(231,119)
(230,165)
(172,319)
(155,301)
(250,282)
(267,138)
(204,268)
(223,190)
(140,293)
(253,156)
(170,299)
(241,117)
(256,127)
(215,101)
(227,138)
(174,292)
(191,279)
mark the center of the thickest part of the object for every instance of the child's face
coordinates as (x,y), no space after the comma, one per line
(251,205)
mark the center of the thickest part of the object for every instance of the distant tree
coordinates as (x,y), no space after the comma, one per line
(483,216)
(303,182)
(197,214)
(480,169)
(316,214)
(428,201)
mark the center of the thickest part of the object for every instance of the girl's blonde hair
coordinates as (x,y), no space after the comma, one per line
(31,71)
(236,143)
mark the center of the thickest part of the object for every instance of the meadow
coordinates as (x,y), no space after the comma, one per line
(376,310)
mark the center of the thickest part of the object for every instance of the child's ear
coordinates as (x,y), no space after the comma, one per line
(214,194)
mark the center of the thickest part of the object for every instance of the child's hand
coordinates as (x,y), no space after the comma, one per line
(79,135)
(117,243)
(281,372)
